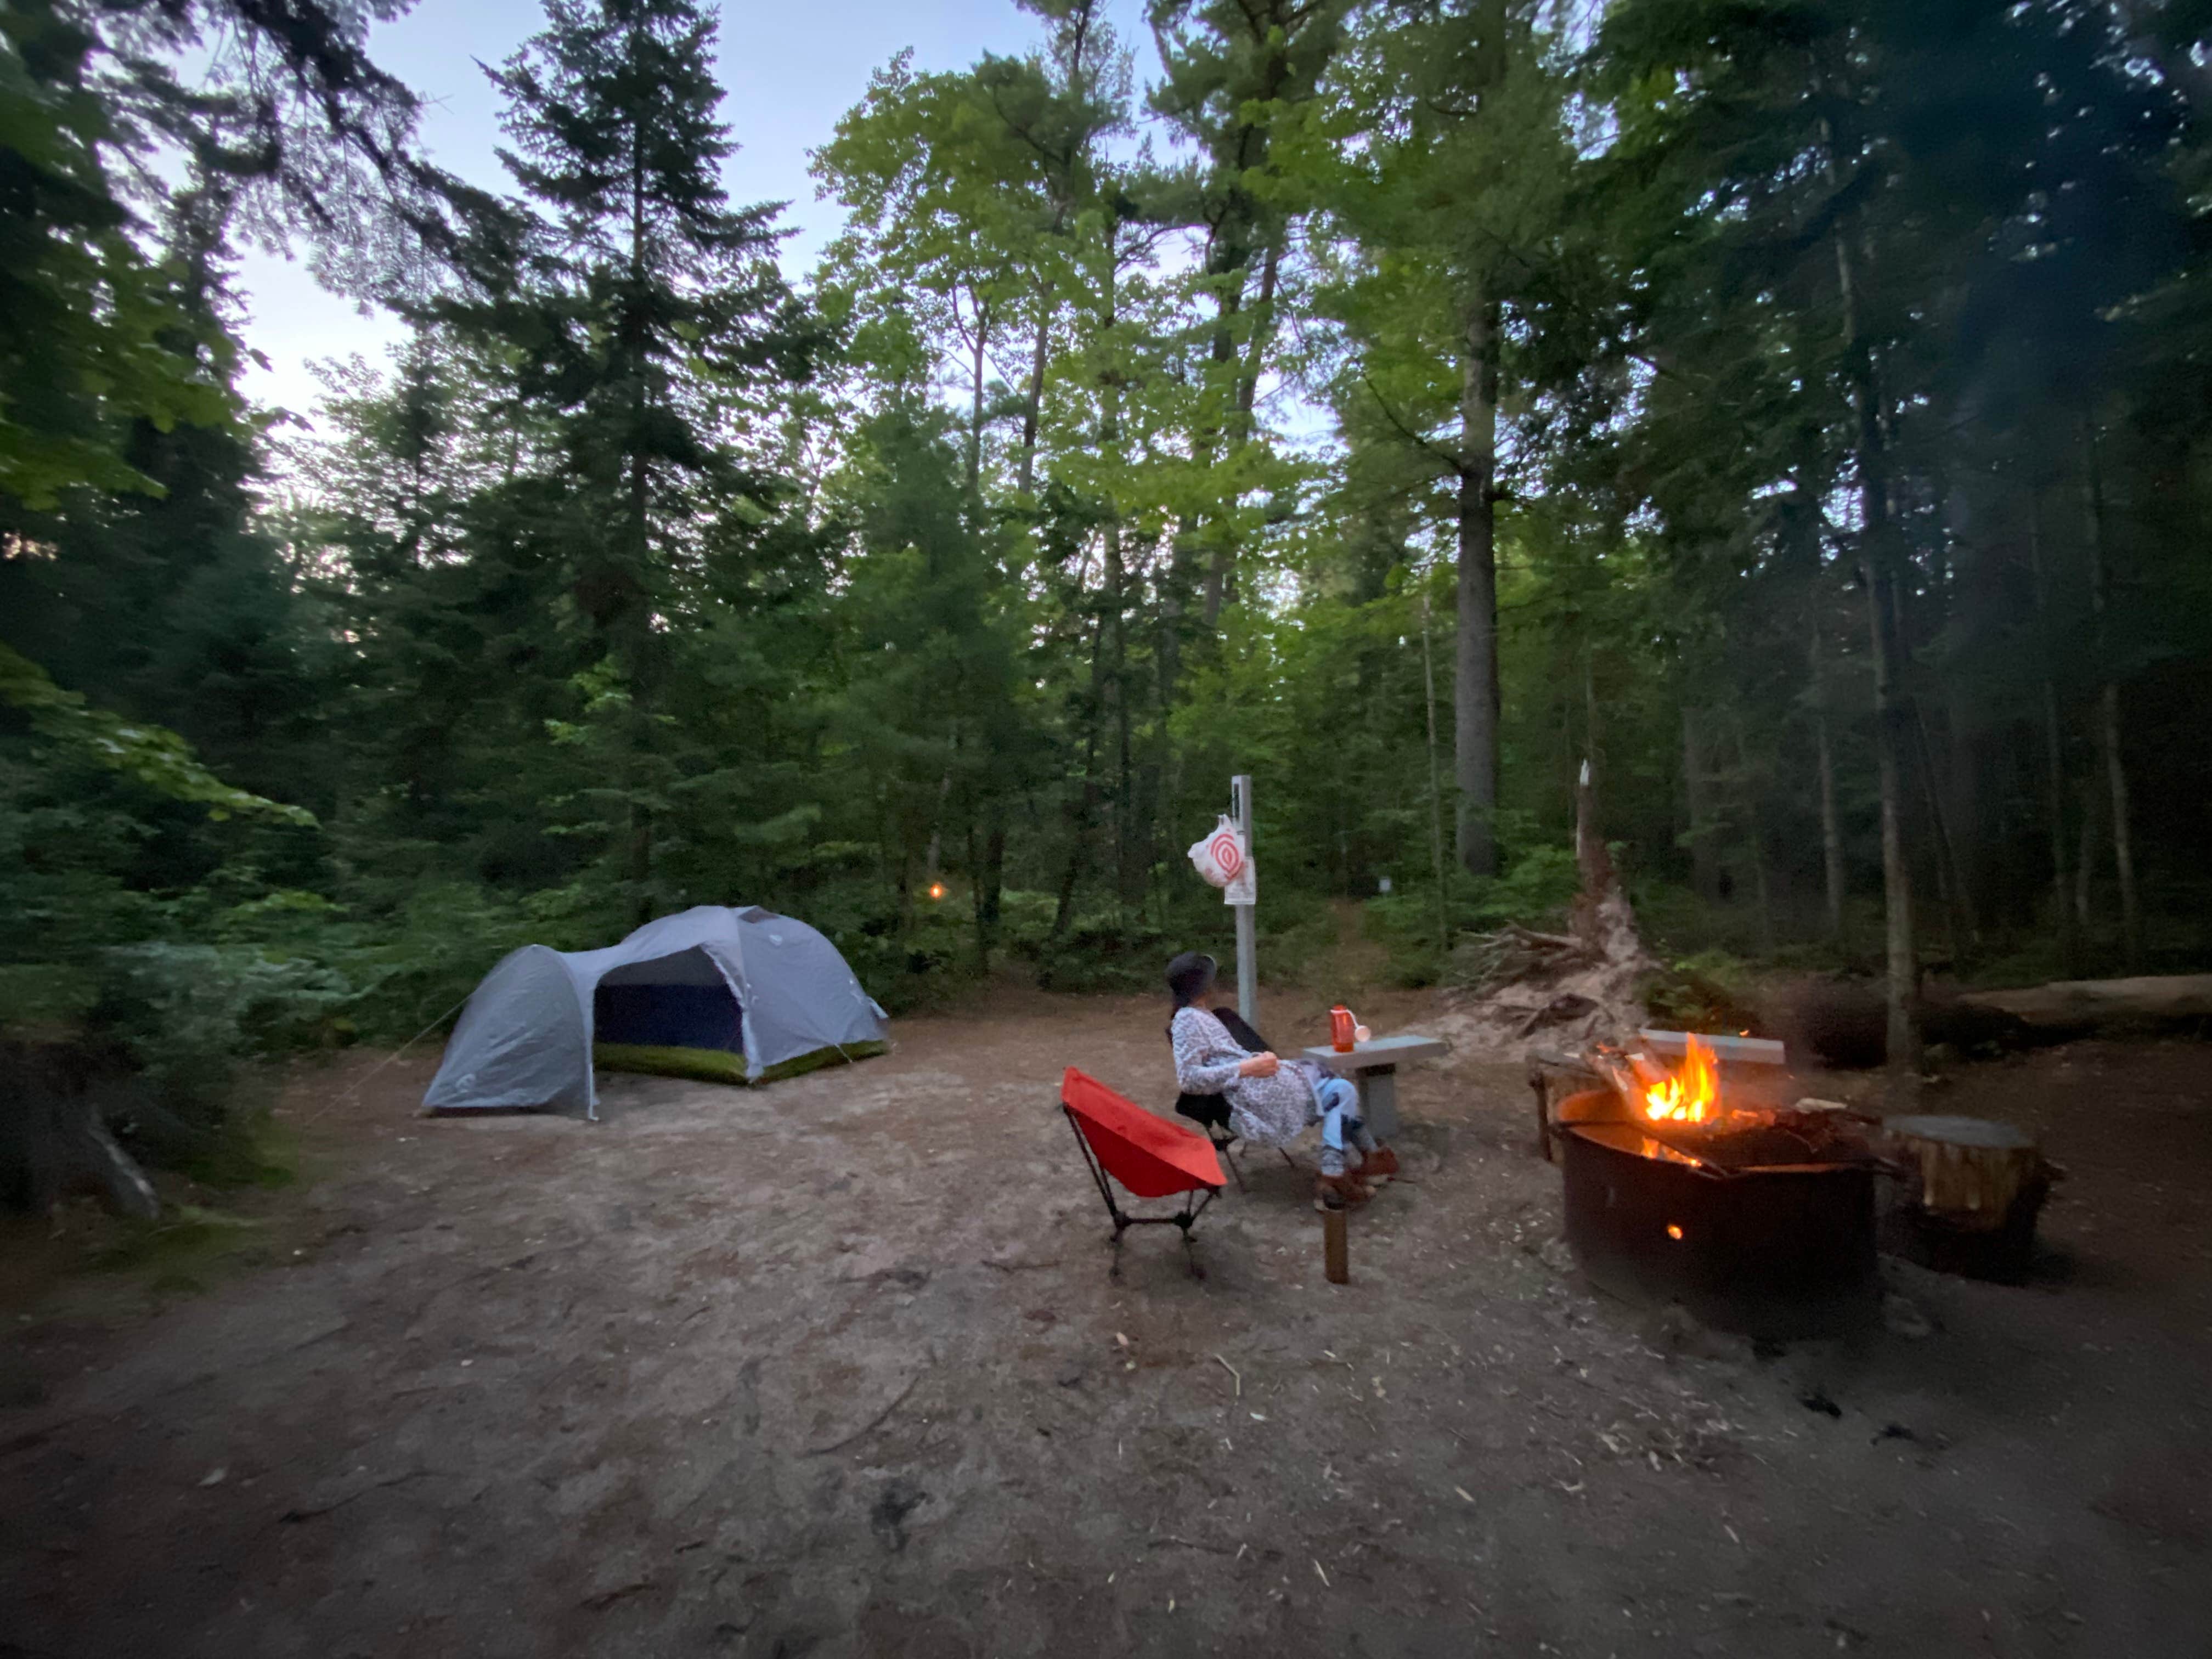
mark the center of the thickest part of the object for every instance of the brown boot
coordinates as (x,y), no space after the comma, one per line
(1343,1192)
(1380,1165)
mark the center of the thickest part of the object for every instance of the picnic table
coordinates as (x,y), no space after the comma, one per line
(1373,1066)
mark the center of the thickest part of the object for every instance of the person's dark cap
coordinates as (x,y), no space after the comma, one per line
(1188,975)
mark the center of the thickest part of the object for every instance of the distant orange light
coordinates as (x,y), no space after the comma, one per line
(1674,1231)
(937,890)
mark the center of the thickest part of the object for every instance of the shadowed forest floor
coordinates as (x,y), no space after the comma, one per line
(836,1368)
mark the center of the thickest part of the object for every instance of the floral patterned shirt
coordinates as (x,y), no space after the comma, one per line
(1267,1111)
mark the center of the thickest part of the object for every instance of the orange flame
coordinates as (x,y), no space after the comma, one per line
(1691,1094)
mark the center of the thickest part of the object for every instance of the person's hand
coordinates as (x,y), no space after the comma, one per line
(1259,1066)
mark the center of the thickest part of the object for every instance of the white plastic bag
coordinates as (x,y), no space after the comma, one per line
(1223,858)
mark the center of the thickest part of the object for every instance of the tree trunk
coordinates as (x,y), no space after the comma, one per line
(1894,722)
(987,875)
(1033,408)
(2085,863)
(1762,888)
(2108,712)
(1832,825)
(1263,330)
(1436,791)
(1892,737)
(1083,805)
(2124,859)
(1475,690)
(640,724)
(1950,878)
(1704,834)
(976,403)
(2054,753)
(1220,586)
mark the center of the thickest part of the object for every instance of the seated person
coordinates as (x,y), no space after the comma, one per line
(1271,1100)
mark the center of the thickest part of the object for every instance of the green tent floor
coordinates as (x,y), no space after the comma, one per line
(719,1065)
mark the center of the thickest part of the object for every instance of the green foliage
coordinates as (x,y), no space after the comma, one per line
(1711,991)
(149,754)
(1535,891)
(182,1017)
(84,320)
(1101,953)
(937,603)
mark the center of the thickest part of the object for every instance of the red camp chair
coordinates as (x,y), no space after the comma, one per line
(1149,1156)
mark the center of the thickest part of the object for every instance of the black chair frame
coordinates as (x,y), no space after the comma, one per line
(1192,1207)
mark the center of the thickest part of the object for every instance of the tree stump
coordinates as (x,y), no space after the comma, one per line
(1981,1184)
(52,1139)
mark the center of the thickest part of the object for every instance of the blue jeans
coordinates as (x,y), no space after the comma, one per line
(1337,1100)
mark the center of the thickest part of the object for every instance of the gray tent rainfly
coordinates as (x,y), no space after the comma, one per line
(749,983)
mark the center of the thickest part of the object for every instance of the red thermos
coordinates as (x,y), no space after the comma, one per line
(1343,1030)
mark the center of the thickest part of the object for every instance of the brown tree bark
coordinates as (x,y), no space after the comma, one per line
(2108,708)
(1950,878)
(1436,791)
(978,343)
(1033,406)
(1475,689)
(1221,565)
(1831,823)
(1703,832)
(1894,738)
(2085,862)
(1893,712)
(2054,753)
(1754,835)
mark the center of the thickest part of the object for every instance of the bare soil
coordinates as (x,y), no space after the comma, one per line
(837,1368)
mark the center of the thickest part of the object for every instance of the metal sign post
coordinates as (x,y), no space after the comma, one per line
(1247,962)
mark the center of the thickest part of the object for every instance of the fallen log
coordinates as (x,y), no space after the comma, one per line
(2086,1005)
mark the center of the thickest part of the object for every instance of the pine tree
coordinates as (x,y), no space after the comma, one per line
(647,320)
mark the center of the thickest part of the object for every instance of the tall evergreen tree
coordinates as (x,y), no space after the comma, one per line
(648,319)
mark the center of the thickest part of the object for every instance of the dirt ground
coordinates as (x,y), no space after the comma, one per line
(836,1368)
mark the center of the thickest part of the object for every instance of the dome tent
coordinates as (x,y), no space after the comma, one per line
(758,989)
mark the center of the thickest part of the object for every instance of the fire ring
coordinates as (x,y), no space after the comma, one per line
(1770,1249)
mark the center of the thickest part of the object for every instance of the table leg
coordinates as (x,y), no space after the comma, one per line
(1378,1102)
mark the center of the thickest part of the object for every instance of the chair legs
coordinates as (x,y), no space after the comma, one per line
(1182,1220)
(1221,1150)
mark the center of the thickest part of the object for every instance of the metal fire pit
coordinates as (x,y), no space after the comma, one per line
(1770,1251)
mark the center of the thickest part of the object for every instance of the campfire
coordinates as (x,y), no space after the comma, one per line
(1692,1181)
(1687,1097)
(1686,1115)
